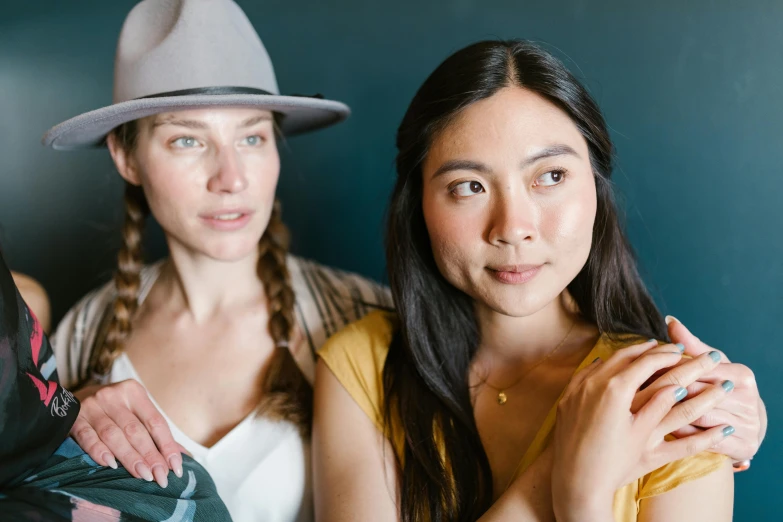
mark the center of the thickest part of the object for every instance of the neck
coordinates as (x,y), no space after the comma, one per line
(203,286)
(515,341)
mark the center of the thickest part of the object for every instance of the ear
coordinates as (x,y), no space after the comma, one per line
(123,160)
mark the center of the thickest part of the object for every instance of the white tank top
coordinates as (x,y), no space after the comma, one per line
(261,468)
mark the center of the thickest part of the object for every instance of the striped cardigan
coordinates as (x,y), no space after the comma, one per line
(327,299)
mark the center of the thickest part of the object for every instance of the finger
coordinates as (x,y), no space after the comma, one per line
(687,412)
(683,376)
(584,373)
(159,431)
(742,376)
(115,440)
(86,437)
(625,356)
(658,407)
(670,451)
(716,417)
(686,431)
(735,448)
(154,464)
(638,371)
(183,449)
(693,345)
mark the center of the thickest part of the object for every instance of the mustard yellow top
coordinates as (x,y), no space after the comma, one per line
(356,356)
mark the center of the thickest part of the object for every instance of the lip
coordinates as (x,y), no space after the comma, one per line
(514,274)
(211,219)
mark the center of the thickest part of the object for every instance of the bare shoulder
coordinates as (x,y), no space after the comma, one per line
(709,497)
(36,298)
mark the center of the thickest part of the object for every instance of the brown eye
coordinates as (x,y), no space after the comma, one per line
(553,177)
(467,189)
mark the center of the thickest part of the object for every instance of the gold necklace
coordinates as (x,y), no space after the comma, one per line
(502,397)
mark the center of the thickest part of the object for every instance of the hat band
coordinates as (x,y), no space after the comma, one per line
(209,91)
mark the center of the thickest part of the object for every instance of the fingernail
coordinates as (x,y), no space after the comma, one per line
(728,430)
(652,340)
(680,394)
(175,461)
(160,476)
(596,359)
(108,458)
(715,356)
(680,347)
(669,319)
(144,471)
(727,386)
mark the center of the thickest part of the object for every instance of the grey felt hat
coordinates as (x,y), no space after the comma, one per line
(186,54)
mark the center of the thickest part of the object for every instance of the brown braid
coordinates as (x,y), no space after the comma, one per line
(117,324)
(127,280)
(286,394)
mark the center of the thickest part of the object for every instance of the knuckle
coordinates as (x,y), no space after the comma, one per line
(129,459)
(688,411)
(614,385)
(706,420)
(693,446)
(83,432)
(674,378)
(105,394)
(152,456)
(746,377)
(706,363)
(109,432)
(132,386)
(133,429)
(157,422)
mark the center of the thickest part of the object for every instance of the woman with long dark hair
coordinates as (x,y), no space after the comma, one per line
(516,290)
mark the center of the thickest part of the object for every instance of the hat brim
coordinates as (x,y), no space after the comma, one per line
(89,130)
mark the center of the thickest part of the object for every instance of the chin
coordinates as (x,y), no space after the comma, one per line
(229,249)
(517,307)
(520,301)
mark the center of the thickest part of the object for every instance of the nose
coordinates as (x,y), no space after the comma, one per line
(229,177)
(513,220)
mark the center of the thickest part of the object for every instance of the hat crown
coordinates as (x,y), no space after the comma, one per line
(173,45)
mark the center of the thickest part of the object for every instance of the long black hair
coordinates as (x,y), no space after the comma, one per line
(444,472)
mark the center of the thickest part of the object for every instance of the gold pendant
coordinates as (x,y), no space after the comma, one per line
(502,398)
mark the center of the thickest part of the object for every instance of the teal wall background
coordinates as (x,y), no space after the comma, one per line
(693,92)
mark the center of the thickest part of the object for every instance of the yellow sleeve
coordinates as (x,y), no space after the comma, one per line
(679,472)
(356,356)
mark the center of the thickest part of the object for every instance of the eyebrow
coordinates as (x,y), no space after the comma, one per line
(548,152)
(195,124)
(171,120)
(255,119)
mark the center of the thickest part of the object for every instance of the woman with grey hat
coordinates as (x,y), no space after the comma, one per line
(212,349)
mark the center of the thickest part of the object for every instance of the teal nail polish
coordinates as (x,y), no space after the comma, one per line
(596,359)
(728,430)
(680,394)
(652,340)
(680,347)
(715,356)
(727,386)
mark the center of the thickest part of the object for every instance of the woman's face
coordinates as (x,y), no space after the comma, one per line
(509,201)
(209,176)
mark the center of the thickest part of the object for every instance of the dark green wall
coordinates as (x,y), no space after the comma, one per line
(691,90)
